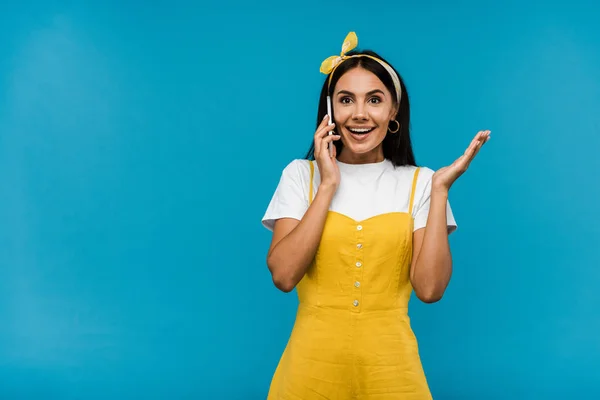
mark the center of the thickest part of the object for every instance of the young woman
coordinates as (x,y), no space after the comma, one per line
(355,231)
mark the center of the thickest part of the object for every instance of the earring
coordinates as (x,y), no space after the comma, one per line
(397,129)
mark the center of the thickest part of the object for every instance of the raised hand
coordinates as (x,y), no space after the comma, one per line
(444,177)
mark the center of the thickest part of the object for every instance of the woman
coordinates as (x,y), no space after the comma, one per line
(355,234)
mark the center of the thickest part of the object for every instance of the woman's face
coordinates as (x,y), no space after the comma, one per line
(362,110)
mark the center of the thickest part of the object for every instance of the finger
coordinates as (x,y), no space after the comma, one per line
(324,122)
(476,143)
(317,144)
(477,138)
(324,144)
(465,160)
(472,146)
(330,138)
(474,149)
(473,143)
(485,136)
(324,131)
(320,128)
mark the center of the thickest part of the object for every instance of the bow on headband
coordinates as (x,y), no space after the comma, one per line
(332,62)
(329,65)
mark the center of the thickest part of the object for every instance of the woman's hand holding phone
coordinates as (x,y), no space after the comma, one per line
(328,168)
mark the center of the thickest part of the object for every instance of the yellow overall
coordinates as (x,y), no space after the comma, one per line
(352,337)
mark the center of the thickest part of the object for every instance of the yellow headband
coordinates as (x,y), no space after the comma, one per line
(331,63)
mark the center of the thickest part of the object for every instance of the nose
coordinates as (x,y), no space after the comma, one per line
(359,113)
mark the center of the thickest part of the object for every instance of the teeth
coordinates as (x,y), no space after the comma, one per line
(361,130)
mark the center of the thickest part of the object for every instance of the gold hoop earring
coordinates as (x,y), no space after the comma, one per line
(397,129)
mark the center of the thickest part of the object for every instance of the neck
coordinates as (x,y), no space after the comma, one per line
(375,156)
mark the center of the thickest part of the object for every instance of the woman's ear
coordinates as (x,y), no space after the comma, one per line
(395,112)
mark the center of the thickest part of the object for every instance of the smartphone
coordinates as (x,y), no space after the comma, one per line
(330,123)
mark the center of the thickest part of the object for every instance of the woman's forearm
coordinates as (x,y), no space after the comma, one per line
(433,267)
(292,255)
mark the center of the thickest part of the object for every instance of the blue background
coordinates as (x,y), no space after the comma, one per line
(141,144)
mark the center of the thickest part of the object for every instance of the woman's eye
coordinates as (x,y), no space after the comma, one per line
(348,100)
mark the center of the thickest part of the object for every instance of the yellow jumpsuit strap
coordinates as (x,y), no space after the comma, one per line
(310,186)
(412,192)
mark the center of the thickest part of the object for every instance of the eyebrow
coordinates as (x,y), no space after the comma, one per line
(368,94)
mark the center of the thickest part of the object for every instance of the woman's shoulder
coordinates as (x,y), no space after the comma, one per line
(425,173)
(298,166)
(297,170)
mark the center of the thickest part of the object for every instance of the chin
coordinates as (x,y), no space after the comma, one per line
(359,148)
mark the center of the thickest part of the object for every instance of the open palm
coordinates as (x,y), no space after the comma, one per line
(444,177)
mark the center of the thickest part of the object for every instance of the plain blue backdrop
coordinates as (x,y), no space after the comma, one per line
(140,145)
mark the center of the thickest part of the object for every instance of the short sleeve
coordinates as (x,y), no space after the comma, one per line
(290,199)
(422,202)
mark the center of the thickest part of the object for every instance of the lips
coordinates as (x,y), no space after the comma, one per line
(360,130)
(360,133)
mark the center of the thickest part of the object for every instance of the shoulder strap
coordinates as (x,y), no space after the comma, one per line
(412,191)
(310,186)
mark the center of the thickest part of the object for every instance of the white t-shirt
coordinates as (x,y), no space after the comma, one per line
(365,190)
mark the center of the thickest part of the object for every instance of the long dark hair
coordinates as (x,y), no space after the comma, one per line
(397,147)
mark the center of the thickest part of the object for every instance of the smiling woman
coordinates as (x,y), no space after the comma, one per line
(356,234)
